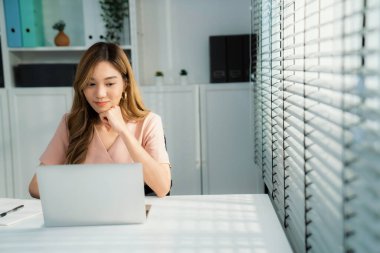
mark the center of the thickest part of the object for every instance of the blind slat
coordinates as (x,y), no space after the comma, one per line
(319,73)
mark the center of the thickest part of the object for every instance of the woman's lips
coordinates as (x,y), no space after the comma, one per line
(101,103)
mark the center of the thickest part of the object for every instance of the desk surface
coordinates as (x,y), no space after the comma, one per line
(205,223)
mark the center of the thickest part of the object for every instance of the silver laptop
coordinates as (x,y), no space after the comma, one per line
(92,194)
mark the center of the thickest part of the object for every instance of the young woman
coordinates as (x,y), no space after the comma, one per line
(108,122)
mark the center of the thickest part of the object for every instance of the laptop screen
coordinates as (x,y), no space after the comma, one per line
(92,194)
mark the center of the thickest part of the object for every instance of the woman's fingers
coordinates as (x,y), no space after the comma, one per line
(103,117)
(112,118)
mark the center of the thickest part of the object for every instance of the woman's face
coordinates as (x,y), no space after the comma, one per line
(105,88)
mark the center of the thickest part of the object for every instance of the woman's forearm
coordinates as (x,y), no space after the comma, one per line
(156,175)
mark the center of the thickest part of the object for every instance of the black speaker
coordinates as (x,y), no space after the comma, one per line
(44,75)
(218,67)
(254,41)
(231,57)
(235,58)
(246,58)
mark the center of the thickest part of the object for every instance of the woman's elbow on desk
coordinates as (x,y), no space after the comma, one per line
(33,188)
(162,193)
(162,187)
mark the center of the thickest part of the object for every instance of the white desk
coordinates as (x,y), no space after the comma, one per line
(205,223)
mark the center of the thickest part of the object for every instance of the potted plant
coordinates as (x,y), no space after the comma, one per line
(183,76)
(113,14)
(61,39)
(159,78)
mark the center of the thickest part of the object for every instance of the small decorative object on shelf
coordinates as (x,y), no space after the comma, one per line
(159,78)
(113,14)
(183,76)
(61,39)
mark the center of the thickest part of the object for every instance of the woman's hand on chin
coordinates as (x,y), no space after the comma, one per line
(113,119)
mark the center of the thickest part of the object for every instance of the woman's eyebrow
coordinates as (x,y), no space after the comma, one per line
(107,78)
(110,77)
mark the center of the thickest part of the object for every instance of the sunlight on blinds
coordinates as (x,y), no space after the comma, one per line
(317,120)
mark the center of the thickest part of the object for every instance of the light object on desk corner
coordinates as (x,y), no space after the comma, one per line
(61,39)
(159,78)
(183,77)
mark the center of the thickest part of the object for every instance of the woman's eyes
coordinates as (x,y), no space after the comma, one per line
(94,84)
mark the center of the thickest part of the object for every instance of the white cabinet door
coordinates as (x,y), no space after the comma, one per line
(35,115)
(227,142)
(5,148)
(178,107)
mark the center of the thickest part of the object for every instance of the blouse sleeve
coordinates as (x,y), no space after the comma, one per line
(154,139)
(55,152)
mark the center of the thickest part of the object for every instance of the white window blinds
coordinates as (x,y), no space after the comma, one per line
(317,119)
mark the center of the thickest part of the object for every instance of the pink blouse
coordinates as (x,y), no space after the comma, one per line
(149,133)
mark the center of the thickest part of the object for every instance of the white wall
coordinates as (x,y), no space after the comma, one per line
(173,34)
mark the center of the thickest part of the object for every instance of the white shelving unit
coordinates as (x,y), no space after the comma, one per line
(87,22)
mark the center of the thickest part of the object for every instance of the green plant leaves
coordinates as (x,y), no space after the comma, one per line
(113,14)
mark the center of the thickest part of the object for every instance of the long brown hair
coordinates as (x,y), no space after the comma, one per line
(82,118)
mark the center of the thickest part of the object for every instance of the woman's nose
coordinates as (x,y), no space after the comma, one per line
(100,91)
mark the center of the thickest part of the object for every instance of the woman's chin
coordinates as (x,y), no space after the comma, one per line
(101,109)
